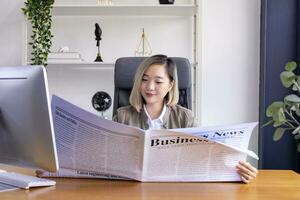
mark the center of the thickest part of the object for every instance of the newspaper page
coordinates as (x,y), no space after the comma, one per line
(197,155)
(73,173)
(86,142)
(237,135)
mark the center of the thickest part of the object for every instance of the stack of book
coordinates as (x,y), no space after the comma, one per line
(64,57)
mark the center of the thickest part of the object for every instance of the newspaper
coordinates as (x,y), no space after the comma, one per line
(93,147)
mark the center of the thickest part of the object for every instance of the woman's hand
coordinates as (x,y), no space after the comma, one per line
(246,171)
(39,173)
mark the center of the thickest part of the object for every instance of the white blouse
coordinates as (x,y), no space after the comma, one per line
(158,122)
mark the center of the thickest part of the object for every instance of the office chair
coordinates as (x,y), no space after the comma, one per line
(124,77)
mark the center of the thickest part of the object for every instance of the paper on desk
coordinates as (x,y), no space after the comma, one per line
(89,143)
(73,173)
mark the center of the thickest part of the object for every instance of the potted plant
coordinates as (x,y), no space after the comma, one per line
(286,114)
(38,12)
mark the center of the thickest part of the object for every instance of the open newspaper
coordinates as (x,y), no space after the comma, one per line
(92,147)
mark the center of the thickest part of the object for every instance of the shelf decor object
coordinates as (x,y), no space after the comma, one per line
(38,12)
(144,48)
(98,33)
(166,1)
(101,102)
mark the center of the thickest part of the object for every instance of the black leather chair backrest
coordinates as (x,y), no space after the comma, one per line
(124,77)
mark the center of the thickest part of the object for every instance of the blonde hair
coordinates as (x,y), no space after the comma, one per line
(136,99)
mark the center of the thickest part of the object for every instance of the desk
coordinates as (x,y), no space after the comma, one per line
(270,184)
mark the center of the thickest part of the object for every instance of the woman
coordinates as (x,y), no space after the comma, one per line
(153,103)
(154,98)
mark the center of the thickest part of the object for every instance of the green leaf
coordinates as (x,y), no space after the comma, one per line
(294,88)
(297,137)
(298,80)
(292,98)
(287,78)
(278,134)
(274,107)
(297,130)
(279,118)
(298,111)
(278,123)
(293,108)
(289,105)
(290,66)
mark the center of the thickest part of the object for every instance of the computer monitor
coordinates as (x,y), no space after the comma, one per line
(26,126)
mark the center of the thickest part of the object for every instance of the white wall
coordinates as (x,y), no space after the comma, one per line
(11,19)
(78,84)
(228,85)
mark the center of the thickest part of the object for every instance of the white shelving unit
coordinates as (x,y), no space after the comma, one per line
(64,16)
(171,30)
(179,11)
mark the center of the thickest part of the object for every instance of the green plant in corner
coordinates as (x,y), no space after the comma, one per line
(38,12)
(286,114)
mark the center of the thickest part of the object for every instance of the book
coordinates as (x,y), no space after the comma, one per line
(64,60)
(64,55)
(93,147)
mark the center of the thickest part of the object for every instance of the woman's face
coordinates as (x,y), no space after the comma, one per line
(155,84)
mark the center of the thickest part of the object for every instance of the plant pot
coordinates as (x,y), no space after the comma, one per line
(166,1)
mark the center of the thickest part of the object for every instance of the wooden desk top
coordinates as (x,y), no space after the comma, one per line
(269,185)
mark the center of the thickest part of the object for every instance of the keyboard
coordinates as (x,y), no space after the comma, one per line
(24,181)
(5,187)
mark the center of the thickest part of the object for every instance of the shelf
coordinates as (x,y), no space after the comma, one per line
(82,66)
(83,63)
(124,10)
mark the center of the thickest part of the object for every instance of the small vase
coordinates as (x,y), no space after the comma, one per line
(166,1)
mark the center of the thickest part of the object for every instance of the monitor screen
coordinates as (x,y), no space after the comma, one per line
(26,126)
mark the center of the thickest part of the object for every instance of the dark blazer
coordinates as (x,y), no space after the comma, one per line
(175,117)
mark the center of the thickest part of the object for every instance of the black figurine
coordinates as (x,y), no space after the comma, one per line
(166,1)
(98,33)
